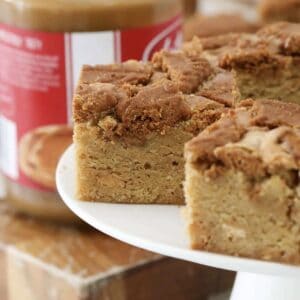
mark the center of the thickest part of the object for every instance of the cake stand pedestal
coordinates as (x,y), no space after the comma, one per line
(160,228)
(249,286)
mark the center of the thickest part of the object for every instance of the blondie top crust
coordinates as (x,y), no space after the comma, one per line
(136,98)
(142,97)
(242,185)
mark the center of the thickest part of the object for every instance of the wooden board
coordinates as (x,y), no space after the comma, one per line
(41,261)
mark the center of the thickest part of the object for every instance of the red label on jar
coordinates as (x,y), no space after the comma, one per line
(38,72)
(142,43)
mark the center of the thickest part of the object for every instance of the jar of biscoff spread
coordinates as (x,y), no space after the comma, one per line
(43,45)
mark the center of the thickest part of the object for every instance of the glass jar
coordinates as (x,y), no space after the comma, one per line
(43,45)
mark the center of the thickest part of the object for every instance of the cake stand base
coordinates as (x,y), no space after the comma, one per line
(250,286)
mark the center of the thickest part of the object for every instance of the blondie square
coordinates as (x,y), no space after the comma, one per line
(131,122)
(242,184)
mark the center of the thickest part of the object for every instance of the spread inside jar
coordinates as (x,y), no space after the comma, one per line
(86,15)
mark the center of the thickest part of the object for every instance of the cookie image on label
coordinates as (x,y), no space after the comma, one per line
(40,150)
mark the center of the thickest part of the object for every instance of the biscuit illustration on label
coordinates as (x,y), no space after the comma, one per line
(40,150)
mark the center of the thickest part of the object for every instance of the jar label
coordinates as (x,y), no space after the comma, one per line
(38,73)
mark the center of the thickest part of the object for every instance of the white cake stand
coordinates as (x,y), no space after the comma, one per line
(160,229)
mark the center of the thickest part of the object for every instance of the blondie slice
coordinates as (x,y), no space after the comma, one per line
(242,183)
(265,64)
(131,122)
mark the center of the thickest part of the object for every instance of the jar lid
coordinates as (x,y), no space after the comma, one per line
(86,15)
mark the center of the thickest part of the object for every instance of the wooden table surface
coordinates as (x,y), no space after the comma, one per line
(43,261)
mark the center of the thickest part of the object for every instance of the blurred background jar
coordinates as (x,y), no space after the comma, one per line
(43,45)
